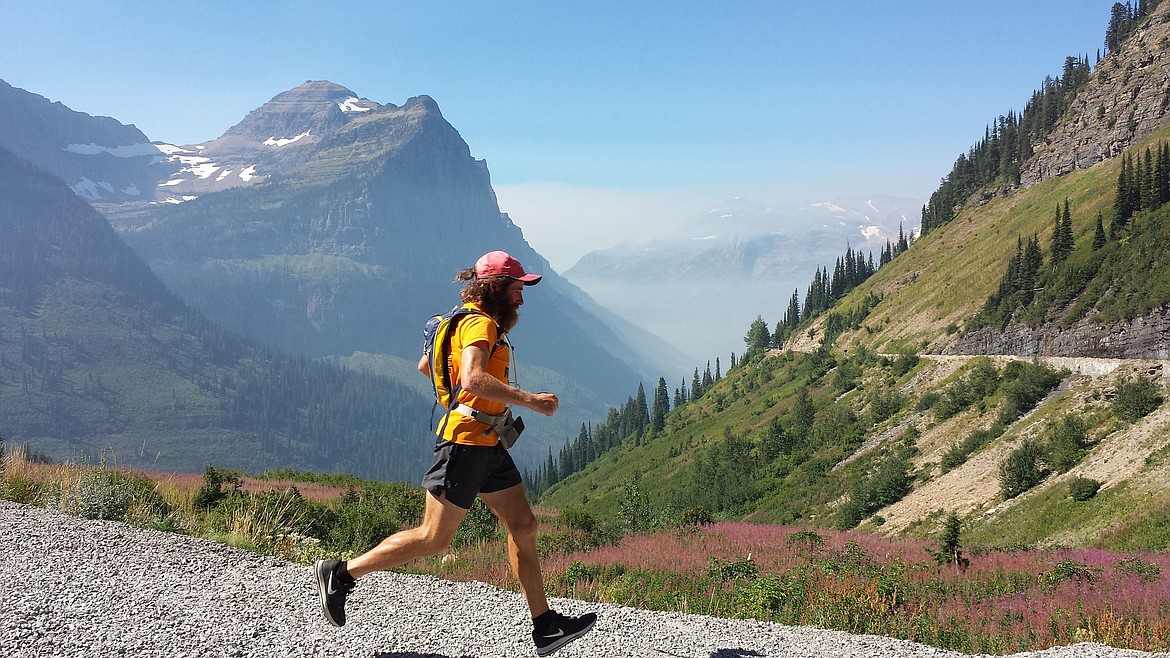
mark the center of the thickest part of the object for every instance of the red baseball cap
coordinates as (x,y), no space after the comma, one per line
(499,263)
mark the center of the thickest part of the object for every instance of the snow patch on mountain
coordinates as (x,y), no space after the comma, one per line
(352,104)
(285,141)
(126,151)
(247,173)
(89,190)
(169,149)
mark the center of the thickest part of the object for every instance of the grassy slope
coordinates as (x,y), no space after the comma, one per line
(943,280)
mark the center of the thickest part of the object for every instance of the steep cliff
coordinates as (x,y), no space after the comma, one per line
(1125,101)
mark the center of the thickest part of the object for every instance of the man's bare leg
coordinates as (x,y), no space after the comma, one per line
(441,519)
(513,510)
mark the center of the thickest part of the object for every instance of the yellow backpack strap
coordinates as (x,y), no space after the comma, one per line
(440,354)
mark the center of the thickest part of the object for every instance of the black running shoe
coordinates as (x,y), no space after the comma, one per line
(332,591)
(562,631)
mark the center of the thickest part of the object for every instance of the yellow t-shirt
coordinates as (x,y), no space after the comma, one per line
(476,329)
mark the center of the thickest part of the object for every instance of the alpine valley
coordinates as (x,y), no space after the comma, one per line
(295,257)
(1005,373)
(258,300)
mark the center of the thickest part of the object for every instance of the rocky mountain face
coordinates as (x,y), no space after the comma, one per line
(100,361)
(1146,337)
(271,140)
(1125,101)
(347,235)
(100,158)
(741,260)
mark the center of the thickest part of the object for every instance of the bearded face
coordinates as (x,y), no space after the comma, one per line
(497,298)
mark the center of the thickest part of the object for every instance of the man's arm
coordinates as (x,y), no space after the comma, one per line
(477,381)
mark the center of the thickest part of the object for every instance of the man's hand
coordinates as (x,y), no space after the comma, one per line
(544,403)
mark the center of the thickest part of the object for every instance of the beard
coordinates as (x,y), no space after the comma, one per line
(501,308)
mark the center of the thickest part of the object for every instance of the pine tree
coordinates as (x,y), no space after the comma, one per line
(641,412)
(792,315)
(758,337)
(803,413)
(661,407)
(1162,175)
(1099,233)
(1123,207)
(1062,236)
(1147,187)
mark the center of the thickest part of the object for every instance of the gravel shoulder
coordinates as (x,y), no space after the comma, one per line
(96,588)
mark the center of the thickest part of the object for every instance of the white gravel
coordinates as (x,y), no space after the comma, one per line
(73,587)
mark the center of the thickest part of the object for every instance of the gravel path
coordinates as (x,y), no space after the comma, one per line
(73,587)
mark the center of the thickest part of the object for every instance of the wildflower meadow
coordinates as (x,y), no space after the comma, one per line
(934,591)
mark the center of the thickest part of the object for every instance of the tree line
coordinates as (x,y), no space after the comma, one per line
(633,422)
(1007,142)
(1143,185)
(1123,20)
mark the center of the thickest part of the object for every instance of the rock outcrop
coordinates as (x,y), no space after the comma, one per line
(1146,337)
(1126,100)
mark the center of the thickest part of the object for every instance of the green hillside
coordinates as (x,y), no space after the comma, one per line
(947,277)
(872,429)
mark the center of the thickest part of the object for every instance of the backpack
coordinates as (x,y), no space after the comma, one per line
(437,348)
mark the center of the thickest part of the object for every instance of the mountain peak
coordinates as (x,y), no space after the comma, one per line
(315,108)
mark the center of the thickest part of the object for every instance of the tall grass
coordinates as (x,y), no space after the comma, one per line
(998,602)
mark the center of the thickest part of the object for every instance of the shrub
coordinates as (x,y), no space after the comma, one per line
(1082,489)
(1026,384)
(742,569)
(99,494)
(949,551)
(1135,399)
(694,516)
(905,363)
(762,598)
(1021,470)
(1066,445)
(357,526)
(211,493)
(1068,569)
(809,539)
(928,401)
(884,403)
(1146,571)
(576,572)
(958,453)
(480,525)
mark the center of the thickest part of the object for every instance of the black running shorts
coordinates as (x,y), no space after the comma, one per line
(462,472)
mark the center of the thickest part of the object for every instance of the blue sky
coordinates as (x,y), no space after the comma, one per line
(600,121)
